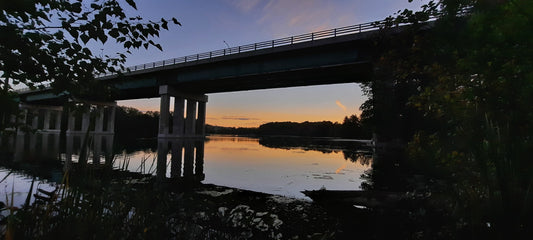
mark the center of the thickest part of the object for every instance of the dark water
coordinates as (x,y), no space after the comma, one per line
(283,165)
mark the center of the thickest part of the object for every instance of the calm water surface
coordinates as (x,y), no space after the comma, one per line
(273,166)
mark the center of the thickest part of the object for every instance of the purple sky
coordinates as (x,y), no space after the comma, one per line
(208,23)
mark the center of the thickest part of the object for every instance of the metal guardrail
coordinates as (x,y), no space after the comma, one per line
(27,89)
(309,37)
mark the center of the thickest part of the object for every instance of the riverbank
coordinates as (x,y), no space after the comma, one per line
(144,208)
(97,204)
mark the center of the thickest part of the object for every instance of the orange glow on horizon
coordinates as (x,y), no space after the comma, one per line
(257,118)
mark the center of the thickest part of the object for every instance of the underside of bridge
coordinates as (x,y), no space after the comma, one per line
(324,75)
(328,61)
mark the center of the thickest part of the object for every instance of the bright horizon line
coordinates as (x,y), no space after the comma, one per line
(235,125)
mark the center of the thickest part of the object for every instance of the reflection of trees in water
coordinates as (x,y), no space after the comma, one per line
(230,138)
(354,151)
(363,157)
(389,172)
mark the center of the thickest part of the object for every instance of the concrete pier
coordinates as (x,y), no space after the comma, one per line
(41,115)
(178,126)
(190,125)
(99,111)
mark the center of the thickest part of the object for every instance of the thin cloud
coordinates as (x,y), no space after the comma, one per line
(282,17)
(239,118)
(245,6)
(340,105)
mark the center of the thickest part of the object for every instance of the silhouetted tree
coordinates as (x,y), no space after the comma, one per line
(464,89)
(45,41)
(132,123)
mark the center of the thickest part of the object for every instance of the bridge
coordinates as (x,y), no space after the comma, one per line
(340,55)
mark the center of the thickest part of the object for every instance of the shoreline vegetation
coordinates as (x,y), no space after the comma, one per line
(98,203)
(126,207)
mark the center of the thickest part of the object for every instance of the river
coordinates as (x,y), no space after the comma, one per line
(275,165)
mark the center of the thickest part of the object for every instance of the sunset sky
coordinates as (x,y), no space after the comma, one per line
(208,25)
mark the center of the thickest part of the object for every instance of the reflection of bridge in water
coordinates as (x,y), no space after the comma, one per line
(186,161)
(186,155)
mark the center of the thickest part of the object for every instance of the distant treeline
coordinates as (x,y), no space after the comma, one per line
(132,123)
(351,127)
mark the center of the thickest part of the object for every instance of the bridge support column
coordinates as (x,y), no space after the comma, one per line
(97,150)
(178,117)
(10,122)
(47,126)
(190,121)
(58,121)
(85,119)
(44,143)
(164,115)
(102,110)
(99,121)
(22,119)
(19,147)
(71,122)
(200,121)
(188,126)
(46,123)
(35,119)
(111,119)
(34,111)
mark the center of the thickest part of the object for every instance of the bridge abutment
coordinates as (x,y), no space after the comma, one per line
(188,119)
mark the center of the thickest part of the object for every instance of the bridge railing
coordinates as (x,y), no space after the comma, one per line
(308,37)
(28,89)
